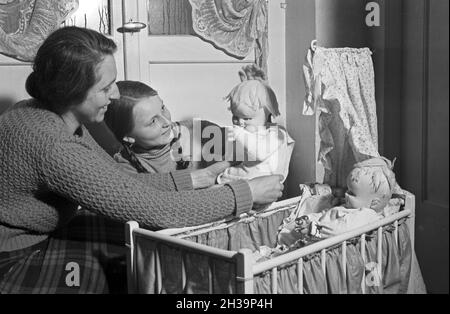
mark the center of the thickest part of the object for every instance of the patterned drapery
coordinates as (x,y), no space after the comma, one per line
(24,24)
(340,84)
(236,26)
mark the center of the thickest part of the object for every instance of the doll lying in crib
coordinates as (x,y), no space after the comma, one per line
(371,185)
(264,147)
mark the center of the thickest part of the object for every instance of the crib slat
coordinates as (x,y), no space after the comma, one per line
(380,249)
(183,271)
(363,254)
(274,281)
(344,259)
(324,261)
(158,271)
(380,257)
(300,275)
(210,275)
(396,233)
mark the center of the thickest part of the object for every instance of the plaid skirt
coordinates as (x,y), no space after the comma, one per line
(87,256)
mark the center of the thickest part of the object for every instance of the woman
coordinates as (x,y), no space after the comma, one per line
(50,165)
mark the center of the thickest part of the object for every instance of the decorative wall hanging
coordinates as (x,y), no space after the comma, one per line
(236,26)
(24,24)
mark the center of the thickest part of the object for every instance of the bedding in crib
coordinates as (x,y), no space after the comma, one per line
(261,231)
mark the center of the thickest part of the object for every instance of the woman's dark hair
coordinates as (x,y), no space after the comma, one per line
(64,68)
(119,116)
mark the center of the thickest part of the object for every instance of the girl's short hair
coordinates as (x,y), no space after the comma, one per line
(65,65)
(119,116)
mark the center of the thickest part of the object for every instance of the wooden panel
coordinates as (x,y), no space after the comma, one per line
(437,129)
(386,41)
(300,31)
(432,245)
(424,139)
(341,23)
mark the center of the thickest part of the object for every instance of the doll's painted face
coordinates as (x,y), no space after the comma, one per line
(249,103)
(248,118)
(368,187)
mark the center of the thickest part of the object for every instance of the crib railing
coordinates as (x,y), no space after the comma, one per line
(133,233)
(298,255)
(246,269)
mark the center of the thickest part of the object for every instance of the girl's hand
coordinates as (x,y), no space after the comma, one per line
(204,178)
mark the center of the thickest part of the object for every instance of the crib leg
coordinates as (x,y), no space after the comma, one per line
(244,272)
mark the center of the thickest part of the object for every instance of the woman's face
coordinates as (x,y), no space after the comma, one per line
(152,123)
(93,108)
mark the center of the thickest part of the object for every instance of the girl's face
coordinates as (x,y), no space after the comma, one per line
(152,123)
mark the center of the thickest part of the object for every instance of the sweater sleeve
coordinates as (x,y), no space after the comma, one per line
(179,180)
(74,170)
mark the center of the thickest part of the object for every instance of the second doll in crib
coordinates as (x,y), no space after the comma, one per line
(370,187)
(264,147)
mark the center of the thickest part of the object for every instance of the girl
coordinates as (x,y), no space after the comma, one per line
(152,143)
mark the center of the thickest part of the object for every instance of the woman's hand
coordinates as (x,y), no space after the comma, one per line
(266,189)
(204,178)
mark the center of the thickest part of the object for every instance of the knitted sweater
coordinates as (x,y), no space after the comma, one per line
(46,172)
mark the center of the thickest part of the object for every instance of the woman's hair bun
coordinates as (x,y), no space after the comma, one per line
(32,87)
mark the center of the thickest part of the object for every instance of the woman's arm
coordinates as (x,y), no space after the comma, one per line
(181,180)
(78,173)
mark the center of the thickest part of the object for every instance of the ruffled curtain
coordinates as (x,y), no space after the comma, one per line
(236,26)
(24,24)
(340,85)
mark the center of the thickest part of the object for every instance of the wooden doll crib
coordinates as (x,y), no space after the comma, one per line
(172,262)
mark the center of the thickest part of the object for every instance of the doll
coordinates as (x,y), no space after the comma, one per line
(263,146)
(370,187)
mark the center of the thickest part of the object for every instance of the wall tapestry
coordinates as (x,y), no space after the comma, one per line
(24,24)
